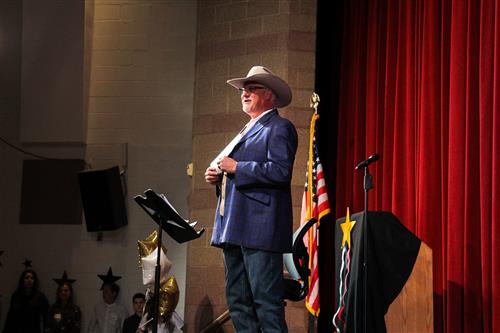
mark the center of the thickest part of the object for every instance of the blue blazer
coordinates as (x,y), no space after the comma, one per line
(258,202)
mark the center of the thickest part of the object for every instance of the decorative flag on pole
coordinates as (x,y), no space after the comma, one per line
(314,205)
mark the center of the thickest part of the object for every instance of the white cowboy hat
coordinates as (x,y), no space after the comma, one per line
(262,75)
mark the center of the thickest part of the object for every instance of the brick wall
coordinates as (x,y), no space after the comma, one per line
(140,115)
(139,84)
(232,37)
(143,112)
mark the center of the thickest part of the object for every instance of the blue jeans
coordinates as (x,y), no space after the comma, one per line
(254,290)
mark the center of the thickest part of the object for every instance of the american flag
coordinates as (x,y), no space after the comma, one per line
(314,205)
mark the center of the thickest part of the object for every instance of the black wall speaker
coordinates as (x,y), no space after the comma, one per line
(102,198)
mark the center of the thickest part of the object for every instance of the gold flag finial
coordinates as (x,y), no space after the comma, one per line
(314,102)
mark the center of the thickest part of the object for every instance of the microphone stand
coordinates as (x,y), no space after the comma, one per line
(367,184)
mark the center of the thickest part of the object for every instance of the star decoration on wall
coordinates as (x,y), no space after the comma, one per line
(27,263)
(346,229)
(64,279)
(109,278)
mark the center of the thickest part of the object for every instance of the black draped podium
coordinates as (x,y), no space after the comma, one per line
(392,251)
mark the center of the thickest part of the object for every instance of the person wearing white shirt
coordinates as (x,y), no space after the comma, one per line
(108,315)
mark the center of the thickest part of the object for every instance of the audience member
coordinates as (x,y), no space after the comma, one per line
(64,315)
(28,306)
(108,315)
(131,324)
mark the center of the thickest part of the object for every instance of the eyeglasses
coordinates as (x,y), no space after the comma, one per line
(251,89)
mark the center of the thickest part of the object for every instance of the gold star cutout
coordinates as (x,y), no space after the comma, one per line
(346,229)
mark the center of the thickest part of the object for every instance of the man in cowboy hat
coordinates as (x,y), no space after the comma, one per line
(253,220)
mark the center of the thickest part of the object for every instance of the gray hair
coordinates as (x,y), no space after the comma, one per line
(273,98)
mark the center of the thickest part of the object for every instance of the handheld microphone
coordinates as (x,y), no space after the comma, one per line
(368,161)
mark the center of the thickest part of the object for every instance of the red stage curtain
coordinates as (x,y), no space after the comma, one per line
(420,85)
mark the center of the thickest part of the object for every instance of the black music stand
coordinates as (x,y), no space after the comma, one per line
(164,214)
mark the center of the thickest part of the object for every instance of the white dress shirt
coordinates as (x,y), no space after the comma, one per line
(107,318)
(229,148)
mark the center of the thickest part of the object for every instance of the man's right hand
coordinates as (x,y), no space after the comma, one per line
(212,177)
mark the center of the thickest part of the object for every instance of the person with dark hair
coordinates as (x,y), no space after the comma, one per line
(131,324)
(108,315)
(28,306)
(64,315)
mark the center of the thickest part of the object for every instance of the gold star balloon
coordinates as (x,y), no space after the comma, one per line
(148,257)
(346,229)
(169,297)
(148,245)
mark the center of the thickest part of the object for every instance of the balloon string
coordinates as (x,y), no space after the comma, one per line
(143,325)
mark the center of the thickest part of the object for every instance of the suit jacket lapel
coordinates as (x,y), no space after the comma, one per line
(258,126)
(255,129)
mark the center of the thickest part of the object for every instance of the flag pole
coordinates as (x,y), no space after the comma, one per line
(314,105)
(314,102)
(314,206)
